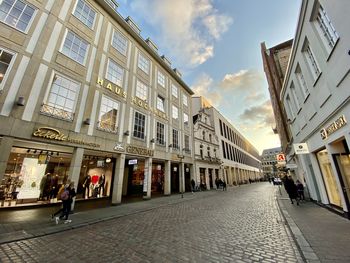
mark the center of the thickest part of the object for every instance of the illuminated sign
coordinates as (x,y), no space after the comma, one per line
(54,134)
(139,151)
(133,161)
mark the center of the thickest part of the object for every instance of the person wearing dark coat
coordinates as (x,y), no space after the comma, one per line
(291,189)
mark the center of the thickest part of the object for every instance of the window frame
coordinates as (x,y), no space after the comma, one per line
(160,99)
(185,99)
(110,60)
(161,81)
(160,133)
(136,125)
(117,47)
(9,67)
(109,129)
(173,89)
(80,19)
(143,63)
(186,123)
(82,39)
(141,94)
(175,110)
(175,139)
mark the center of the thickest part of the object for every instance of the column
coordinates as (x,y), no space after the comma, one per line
(229,177)
(118,180)
(5,150)
(147,183)
(207,178)
(74,169)
(182,177)
(167,179)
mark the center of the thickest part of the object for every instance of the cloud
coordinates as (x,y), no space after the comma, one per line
(203,86)
(188,28)
(242,80)
(261,115)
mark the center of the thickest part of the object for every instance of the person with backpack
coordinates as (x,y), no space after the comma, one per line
(67,199)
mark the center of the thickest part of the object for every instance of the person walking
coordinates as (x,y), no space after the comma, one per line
(193,185)
(217,183)
(67,199)
(291,189)
(300,189)
(60,191)
(224,185)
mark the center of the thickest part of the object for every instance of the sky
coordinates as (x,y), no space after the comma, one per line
(215,44)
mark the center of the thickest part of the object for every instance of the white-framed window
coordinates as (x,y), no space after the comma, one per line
(176,139)
(141,90)
(160,103)
(185,119)
(160,133)
(185,99)
(115,73)
(119,42)
(139,125)
(161,79)
(174,90)
(290,108)
(143,63)
(85,13)
(295,97)
(108,118)
(326,28)
(311,61)
(302,83)
(62,98)
(175,112)
(187,143)
(17,14)
(6,60)
(75,47)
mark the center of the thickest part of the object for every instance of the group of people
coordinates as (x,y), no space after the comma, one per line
(220,182)
(66,193)
(295,190)
(202,186)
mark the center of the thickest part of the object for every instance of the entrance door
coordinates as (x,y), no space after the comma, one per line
(211,178)
(187,179)
(343,167)
(175,178)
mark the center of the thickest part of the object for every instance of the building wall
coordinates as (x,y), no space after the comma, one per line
(269,161)
(325,102)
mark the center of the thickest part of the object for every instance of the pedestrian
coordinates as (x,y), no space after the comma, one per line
(300,189)
(224,185)
(291,189)
(67,199)
(217,183)
(193,185)
(60,191)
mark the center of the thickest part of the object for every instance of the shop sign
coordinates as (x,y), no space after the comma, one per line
(121,93)
(336,125)
(139,151)
(54,134)
(132,162)
(300,148)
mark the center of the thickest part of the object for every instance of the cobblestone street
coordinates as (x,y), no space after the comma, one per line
(242,224)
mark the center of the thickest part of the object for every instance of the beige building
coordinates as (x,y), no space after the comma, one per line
(83,97)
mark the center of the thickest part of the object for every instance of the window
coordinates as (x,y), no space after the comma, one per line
(295,97)
(187,143)
(175,112)
(302,83)
(85,13)
(141,90)
(16,13)
(75,47)
(139,125)
(174,90)
(160,103)
(328,33)
(185,119)
(62,98)
(176,139)
(5,60)
(119,42)
(108,115)
(203,134)
(210,138)
(161,79)
(290,108)
(115,73)
(143,63)
(312,62)
(160,133)
(185,99)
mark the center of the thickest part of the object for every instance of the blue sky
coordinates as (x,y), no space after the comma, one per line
(216,46)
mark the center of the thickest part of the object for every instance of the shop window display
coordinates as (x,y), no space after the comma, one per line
(95,177)
(33,176)
(157,178)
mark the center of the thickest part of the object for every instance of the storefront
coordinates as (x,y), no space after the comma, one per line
(175,178)
(158,172)
(134,172)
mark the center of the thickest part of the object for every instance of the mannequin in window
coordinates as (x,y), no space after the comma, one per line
(86,186)
(54,186)
(101,183)
(43,187)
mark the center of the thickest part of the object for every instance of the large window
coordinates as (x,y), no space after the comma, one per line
(115,73)
(108,115)
(174,91)
(139,125)
(141,90)
(327,30)
(5,60)
(187,143)
(302,82)
(119,42)
(75,47)
(161,79)
(185,99)
(160,103)
(310,58)
(295,97)
(176,139)
(143,63)
(62,98)
(160,133)
(175,112)
(185,119)
(16,13)
(290,108)
(85,13)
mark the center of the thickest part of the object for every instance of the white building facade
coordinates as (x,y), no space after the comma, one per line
(269,162)
(316,94)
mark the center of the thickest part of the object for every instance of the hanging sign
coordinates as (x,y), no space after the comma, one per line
(300,148)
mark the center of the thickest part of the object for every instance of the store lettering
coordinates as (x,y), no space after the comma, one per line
(54,134)
(139,151)
(113,88)
(336,125)
(144,105)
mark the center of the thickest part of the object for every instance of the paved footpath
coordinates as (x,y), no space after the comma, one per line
(243,224)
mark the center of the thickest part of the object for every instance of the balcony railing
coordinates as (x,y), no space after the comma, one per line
(56,113)
(107,128)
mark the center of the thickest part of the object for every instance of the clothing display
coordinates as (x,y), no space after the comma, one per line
(101,183)
(86,186)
